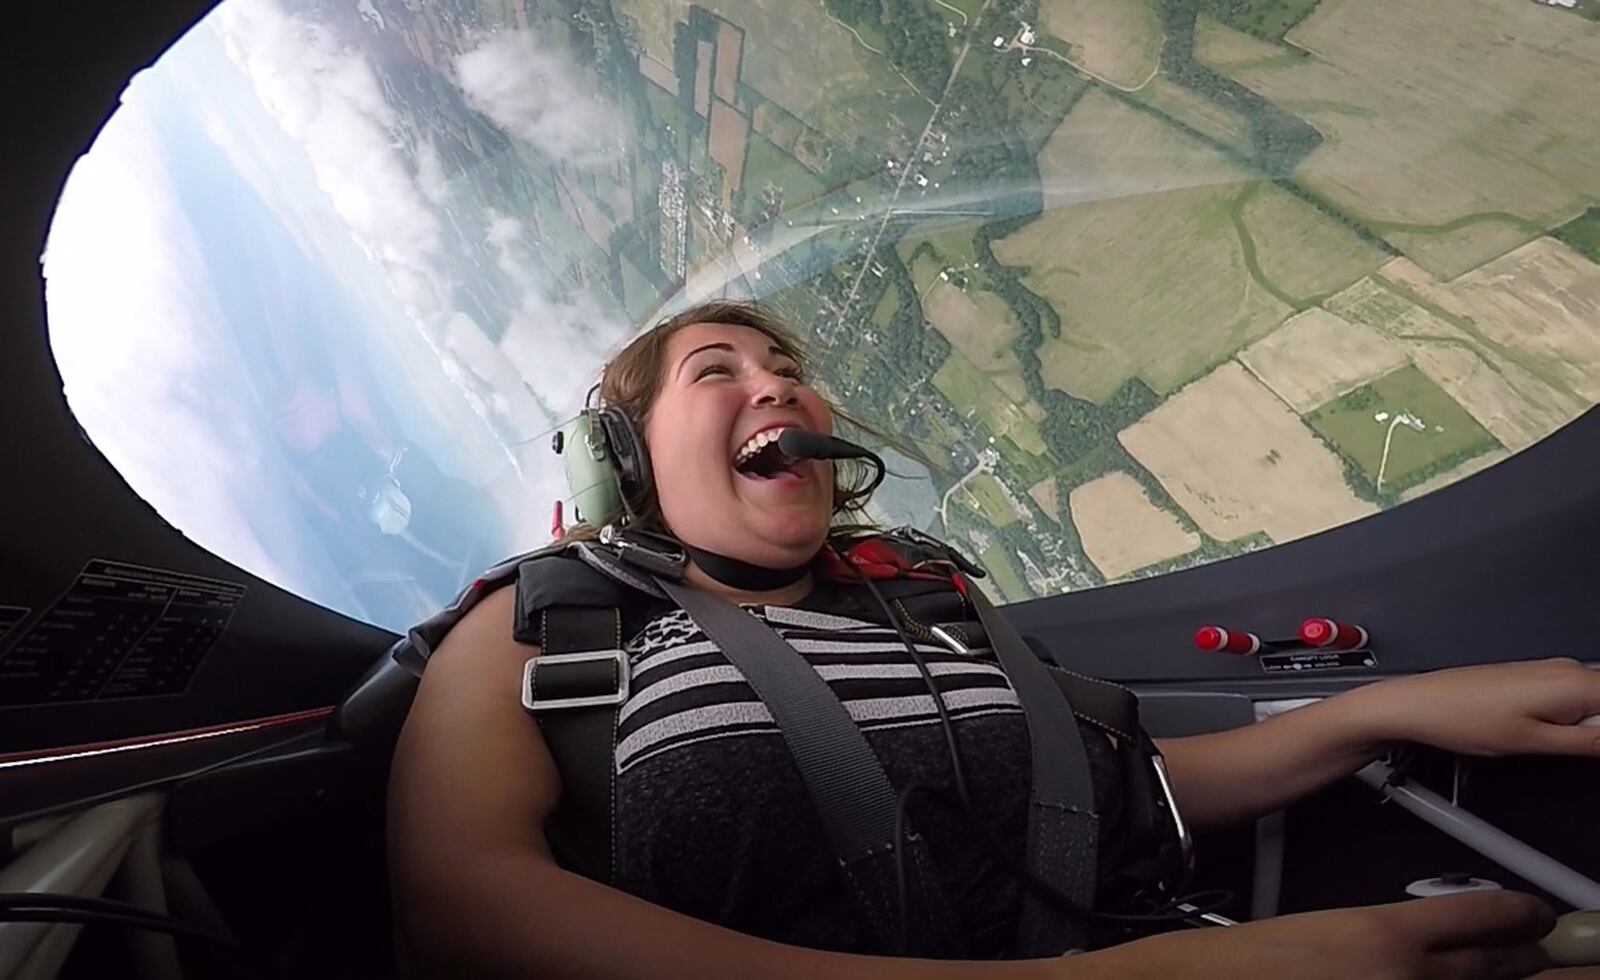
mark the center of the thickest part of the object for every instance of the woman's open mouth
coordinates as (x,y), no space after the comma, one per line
(761,459)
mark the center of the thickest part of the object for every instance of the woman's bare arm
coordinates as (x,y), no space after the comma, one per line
(1233,775)
(477,891)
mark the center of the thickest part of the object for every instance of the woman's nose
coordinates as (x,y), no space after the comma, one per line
(773,389)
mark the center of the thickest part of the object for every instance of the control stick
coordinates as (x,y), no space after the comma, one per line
(1575,941)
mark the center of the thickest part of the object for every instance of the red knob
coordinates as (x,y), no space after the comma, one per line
(1218,640)
(1319,631)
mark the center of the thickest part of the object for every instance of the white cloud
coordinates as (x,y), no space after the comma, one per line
(327,98)
(430,174)
(539,95)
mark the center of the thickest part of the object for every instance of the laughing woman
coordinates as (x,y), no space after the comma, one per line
(719,863)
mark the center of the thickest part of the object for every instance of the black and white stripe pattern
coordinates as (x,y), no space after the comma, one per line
(684,691)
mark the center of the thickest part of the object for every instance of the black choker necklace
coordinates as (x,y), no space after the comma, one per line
(741,574)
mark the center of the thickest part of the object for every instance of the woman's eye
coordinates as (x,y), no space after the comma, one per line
(792,373)
(711,369)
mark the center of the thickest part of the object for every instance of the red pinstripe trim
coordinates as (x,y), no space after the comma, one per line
(62,753)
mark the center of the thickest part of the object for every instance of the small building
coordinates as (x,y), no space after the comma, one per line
(999,41)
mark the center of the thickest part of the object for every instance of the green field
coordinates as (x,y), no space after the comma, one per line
(969,388)
(887,307)
(968,7)
(952,243)
(1023,464)
(1039,96)
(670,112)
(924,273)
(1583,232)
(1447,437)
(991,500)
(1263,18)
(1003,571)
(765,164)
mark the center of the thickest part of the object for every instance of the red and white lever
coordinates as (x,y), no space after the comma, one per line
(1318,631)
(1215,639)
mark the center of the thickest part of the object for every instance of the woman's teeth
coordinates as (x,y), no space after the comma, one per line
(756,443)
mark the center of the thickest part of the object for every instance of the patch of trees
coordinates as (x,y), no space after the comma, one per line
(1279,140)
(1249,15)
(1072,427)
(917,43)
(1443,464)
(1583,234)
(856,12)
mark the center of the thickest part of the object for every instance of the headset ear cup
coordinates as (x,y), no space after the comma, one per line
(633,462)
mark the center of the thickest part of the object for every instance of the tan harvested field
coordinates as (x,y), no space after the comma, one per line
(1514,406)
(730,134)
(1488,379)
(1223,48)
(1474,465)
(1119,40)
(705,54)
(656,20)
(1540,305)
(1017,390)
(730,42)
(1138,253)
(1047,496)
(1435,111)
(1317,356)
(980,326)
(1193,109)
(656,72)
(1122,531)
(1238,460)
(1304,252)
(775,125)
(1451,253)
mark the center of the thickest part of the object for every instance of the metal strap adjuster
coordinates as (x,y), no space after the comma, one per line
(617,695)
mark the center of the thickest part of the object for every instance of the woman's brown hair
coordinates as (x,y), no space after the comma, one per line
(631,381)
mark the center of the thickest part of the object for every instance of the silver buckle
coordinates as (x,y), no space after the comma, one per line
(556,704)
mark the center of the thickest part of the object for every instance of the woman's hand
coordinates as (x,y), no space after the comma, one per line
(1522,708)
(1471,936)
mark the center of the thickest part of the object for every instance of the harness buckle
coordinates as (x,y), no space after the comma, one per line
(616,694)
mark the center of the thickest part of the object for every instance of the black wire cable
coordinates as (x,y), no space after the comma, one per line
(1165,912)
(84,910)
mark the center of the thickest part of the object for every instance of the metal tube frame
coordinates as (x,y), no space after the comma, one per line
(79,856)
(1526,862)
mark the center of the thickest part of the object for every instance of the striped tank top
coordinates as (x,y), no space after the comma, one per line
(713,820)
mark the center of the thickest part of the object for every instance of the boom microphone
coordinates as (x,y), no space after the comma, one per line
(801,444)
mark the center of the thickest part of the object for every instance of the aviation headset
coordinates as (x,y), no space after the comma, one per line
(607,465)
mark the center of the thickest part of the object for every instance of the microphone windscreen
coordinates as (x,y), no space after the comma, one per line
(814,445)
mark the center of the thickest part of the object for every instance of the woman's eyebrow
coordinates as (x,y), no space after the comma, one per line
(702,349)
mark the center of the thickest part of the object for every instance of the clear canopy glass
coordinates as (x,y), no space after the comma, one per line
(1135,284)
